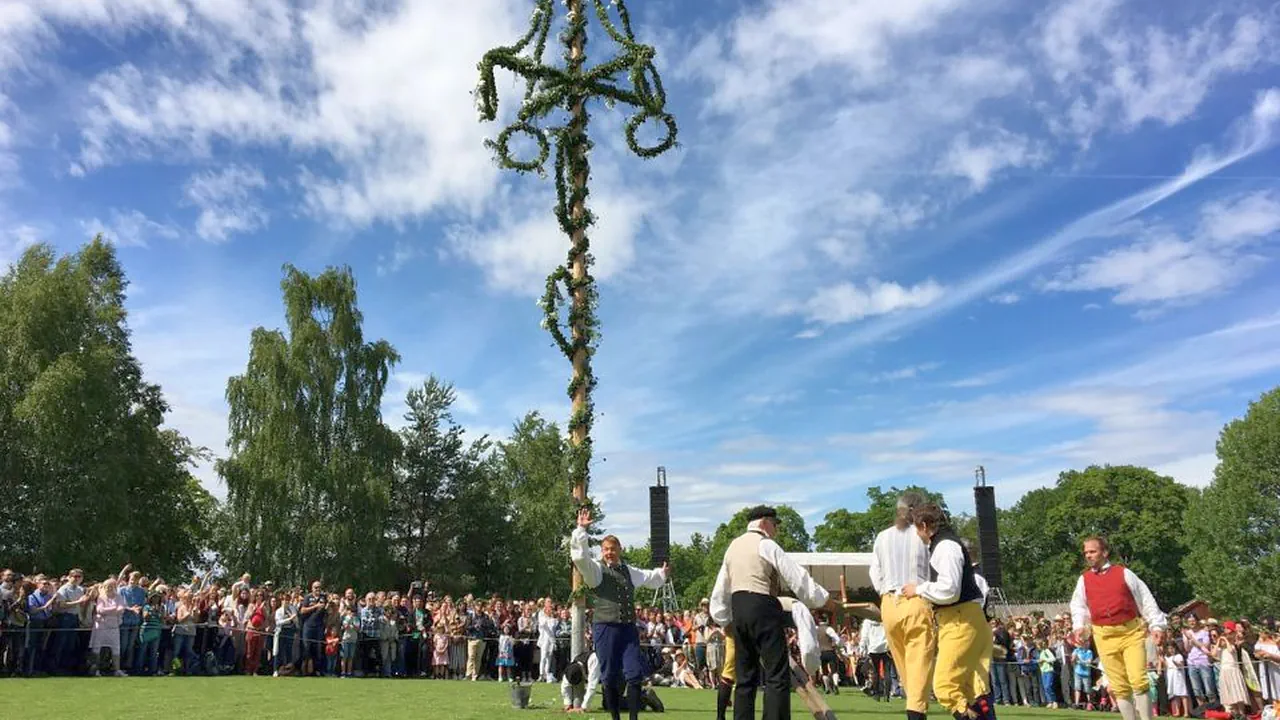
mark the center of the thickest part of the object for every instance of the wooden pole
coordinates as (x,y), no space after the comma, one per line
(578,271)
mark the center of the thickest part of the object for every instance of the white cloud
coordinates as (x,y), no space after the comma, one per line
(1165,268)
(846,302)
(526,242)
(897,438)
(855,43)
(980,380)
(15,240)
(907,373)
(378,94)
(402,254)
(1005,298)
(227,201)
(130,229)
(756,469)
(1241,219)
(980,161)
(1115,72)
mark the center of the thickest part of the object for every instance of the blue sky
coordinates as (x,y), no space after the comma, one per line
(898,240)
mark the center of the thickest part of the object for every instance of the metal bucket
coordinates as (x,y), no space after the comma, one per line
(520,695)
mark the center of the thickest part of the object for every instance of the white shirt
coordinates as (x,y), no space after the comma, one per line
(1080,616)
(898,558)
(806,634)
(871,638)
(948,561)
(982,583)
(547,631)
(593,570)
(794,578)
(593,679)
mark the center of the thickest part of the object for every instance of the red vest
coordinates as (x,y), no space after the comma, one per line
(1110,600)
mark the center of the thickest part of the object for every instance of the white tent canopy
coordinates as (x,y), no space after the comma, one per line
(826,569)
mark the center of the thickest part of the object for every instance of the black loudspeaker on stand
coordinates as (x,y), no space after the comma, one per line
(984,498)
(660,520)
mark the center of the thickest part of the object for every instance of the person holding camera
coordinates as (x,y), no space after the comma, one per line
(312,613)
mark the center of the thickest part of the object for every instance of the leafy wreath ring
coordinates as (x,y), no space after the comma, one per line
(501,146)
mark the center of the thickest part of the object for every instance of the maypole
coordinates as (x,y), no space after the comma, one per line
(558,94)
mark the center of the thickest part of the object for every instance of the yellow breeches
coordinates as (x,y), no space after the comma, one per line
(728,672)
(1123,652)
(964,656)
(908,624)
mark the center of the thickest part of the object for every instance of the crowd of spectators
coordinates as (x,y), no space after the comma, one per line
(1232,665)
(130,624)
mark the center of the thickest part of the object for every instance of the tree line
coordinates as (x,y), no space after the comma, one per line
(319,486)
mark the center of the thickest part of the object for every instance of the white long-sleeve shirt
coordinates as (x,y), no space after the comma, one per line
(806,634)
(947,559)
(593,570)
(1081,617)
(795,578)
(546,625)
(871,638)
(572,696)
(898,558)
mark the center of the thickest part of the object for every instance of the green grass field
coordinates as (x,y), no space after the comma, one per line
(237,698)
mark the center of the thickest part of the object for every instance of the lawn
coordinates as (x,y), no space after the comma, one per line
(236,698)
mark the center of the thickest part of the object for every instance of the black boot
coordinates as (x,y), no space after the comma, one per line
(913,715)
(633,700)
(984,708)
(612,700)
(723,697)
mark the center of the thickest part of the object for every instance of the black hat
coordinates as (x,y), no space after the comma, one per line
(574,674)
(760,512)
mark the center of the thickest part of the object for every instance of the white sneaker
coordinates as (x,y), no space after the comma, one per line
(275,674)
(120,673)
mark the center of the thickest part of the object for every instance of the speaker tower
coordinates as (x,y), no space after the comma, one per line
(984,497)
(660,520)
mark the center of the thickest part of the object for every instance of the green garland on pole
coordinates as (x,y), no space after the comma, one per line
(551,88)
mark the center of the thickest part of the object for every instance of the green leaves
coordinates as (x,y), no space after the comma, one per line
(1138,510)
(845,531)
(311,466)
(87,473)
(1233,529)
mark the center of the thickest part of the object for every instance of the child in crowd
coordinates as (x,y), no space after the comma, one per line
(506,654)
(152,628)
(440,654)
(350,639)
(331,642)
(1083,658)
(1176,681)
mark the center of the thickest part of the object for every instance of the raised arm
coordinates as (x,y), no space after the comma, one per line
(580,551)
(652,579)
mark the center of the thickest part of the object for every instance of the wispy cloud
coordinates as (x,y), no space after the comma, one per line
(227,203)
(131,228)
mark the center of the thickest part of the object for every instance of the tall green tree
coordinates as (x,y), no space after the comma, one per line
(1138,510)
(88,474)
(436,477)
(1233,529)
(846,531)
(533,464)
(311,462)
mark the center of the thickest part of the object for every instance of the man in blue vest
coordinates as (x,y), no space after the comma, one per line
(613,630)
